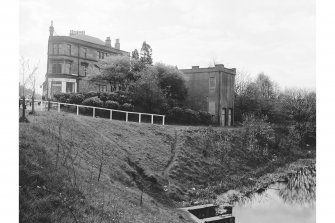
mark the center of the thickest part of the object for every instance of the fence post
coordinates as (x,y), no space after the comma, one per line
(139,118)
(77,110)
(152,119)
(126,116)
(93,112)
(58,107)
(163,119)
(111,114)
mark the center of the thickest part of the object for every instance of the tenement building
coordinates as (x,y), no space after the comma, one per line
(212,90)
(72,59)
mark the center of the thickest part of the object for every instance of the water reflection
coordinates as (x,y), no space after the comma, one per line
(300,188)
(291,201)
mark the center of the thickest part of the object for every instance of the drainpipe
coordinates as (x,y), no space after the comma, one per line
(220,109)
(78,68)
(233,107)
(47,76)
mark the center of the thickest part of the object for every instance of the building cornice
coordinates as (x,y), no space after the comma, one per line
(68,76)
(231,71)
(67,56)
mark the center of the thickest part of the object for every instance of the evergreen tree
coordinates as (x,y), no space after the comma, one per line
(135,54)
(146,54)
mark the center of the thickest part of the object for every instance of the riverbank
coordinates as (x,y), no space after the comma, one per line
(281,174)
(75,168)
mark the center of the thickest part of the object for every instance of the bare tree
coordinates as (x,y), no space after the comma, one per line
(242,80)
(31,80)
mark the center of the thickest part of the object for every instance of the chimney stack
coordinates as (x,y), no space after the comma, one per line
(117,44)
(108,42)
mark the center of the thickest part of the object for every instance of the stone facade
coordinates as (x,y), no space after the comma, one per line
(72,59)
(212,90)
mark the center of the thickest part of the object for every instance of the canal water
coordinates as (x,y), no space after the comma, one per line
(292,201)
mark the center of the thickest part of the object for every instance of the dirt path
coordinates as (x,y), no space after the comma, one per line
(172,160)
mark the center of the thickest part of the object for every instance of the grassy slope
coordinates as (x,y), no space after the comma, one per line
(166,161)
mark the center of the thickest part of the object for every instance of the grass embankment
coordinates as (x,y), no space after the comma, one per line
(80,169)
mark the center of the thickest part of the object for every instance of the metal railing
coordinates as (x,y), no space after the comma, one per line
(58,106)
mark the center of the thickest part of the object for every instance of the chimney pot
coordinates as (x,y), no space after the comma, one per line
(108,42)
(117,44)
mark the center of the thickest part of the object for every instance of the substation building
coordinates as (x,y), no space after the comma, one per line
(212,90)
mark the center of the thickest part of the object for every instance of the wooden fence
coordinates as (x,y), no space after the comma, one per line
(57,105)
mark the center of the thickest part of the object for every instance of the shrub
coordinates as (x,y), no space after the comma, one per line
(164,108)
(75,98)
(175,115)
(94,101)
(205,118)
(91,94)
(191,117)
(104,96)
(127,107)
(62,97)
(112,104)
(123,97)
(257,137)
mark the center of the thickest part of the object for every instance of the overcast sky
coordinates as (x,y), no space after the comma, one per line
(276,37)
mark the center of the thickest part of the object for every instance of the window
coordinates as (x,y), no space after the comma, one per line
(69,49)
(55,49)
(102,55)
(56,87)
(212,82)
(56,68)
(85,52)
(211,107)
(102,88)
(84,67)
(67,68)
(69,87)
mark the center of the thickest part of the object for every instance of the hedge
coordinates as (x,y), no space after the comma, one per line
(112,104)
(188,116)
(94,101)
(123,100)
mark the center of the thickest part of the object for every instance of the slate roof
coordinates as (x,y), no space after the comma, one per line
(90,39)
